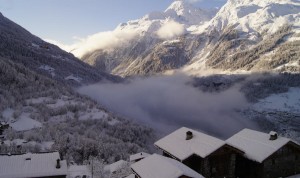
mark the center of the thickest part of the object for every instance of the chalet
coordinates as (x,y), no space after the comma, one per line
(205,154)
(137,157)
(266,155)
(156,166)
(115,167)
(33,165)
(79,171)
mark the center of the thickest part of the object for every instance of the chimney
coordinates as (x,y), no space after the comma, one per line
(189,135)
(57,163)
(273,135)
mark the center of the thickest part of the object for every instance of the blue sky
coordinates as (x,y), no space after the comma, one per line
(62,20)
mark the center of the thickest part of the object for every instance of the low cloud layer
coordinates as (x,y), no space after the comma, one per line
(167,103)
(170,29)
(102,40)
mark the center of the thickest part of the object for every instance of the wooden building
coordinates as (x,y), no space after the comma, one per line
(207,155)
(266,155)
(42,165)
(156,166)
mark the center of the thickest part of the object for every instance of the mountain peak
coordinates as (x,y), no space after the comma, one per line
(186,13)
(179,6)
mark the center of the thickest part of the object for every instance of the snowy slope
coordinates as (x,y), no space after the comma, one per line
(179,11)
(20,46)
(145,39)
(284,102)
(244,36)
(250,35)
(257,15)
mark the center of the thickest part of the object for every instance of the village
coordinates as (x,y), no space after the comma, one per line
(186,153)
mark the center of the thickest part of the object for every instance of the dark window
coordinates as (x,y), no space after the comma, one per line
(296,158)
(273,161)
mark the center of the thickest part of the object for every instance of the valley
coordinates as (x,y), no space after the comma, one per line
(114,93)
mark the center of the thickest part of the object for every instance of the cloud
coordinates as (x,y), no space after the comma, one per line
(168,102)
(170,30)
(102,40)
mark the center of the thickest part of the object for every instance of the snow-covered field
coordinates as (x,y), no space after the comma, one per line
(24,122)
(284,102)
(280,112)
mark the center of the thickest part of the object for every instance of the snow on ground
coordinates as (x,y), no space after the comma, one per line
(45,146)
(93,114)
(7,114)
(38,100)
(24,122)
(35,45)
(290,64)
(286,102)
(16,142)
(72,77)
(76,171)
(292,39)
(295,176)
(49,69)
(60,103)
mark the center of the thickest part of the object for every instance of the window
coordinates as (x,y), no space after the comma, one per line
(273,162)
(296,158)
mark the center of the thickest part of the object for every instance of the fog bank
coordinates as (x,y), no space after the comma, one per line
(168,102)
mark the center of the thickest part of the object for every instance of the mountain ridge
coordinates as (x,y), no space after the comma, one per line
(19,45)
(206,42)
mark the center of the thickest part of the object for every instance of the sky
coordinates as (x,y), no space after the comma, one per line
(69,20)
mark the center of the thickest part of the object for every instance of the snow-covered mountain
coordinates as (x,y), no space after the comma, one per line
(41,112)
(250,35)
(158,41)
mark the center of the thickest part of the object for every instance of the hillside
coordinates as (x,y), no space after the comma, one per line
(251,36)
(44,113)
(158,42)
(20,46)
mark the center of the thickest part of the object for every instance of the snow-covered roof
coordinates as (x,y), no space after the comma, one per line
(138,156)
(79,170)
(177,145)
(256,145)
(130,176)
(31,165)
(115,166)
(156,166)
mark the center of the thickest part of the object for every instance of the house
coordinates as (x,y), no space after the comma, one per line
(207,155)
(33,165)
(114,167)
(79,171)
(137,157)
(130,176)
(156,166)
(266,155)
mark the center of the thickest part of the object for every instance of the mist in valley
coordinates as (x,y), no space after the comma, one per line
(170,102)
